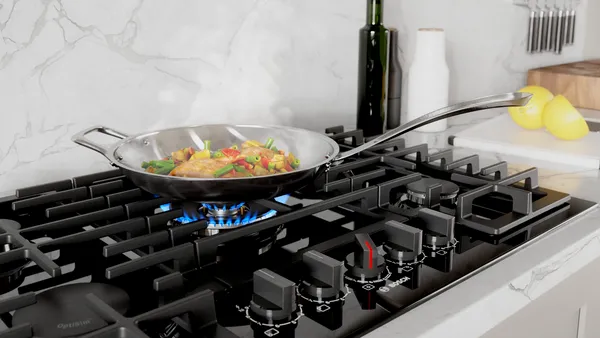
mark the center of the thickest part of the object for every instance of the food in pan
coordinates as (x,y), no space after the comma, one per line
(253,159)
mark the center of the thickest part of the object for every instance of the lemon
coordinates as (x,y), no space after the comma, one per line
(530,116)
(562,120)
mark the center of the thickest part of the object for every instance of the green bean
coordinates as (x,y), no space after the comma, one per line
(145,165)
(271,165)
(242,170)
(269,143)
(252,159)
(164,170)
(218,154)
(224,170)
(295,163)
(274,148)
(164,163)
(207,144)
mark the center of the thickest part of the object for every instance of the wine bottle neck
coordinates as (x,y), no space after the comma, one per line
(374,12)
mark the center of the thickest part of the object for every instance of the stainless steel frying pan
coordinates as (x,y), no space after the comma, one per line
(313,149)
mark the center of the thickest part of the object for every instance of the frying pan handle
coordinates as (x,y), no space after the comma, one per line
(495,101)
(80,138)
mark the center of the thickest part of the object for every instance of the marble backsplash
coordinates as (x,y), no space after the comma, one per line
(138,65)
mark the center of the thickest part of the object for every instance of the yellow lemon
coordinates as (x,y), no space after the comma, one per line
(563,120)
(530,116)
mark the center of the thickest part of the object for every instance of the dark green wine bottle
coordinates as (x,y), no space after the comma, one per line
(372,71)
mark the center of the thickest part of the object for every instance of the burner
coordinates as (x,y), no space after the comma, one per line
(63,312)
(224,216)
(417,191)
(223,210)
(11,273)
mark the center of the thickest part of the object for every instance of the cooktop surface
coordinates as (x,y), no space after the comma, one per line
(375,236)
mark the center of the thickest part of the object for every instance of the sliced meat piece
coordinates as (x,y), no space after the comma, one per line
(257,151)
(202,168)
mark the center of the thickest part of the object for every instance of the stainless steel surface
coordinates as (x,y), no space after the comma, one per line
(540,39)
(560,32)
(315,151)
(549,20)
(532,32)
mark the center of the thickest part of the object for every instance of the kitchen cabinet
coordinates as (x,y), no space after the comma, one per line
(569,310)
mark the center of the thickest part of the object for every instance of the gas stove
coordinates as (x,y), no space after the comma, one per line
(373,237)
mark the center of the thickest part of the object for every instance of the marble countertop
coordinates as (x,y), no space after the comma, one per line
(508,286)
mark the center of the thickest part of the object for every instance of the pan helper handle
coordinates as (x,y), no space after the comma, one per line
(81,139)
(495,101)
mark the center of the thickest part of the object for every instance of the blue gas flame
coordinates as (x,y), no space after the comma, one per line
(249,217)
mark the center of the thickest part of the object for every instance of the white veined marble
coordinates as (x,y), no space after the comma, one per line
(138,65)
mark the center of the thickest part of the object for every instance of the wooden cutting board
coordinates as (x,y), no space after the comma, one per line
(579,82)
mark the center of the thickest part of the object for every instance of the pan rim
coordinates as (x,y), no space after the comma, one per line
(116,162)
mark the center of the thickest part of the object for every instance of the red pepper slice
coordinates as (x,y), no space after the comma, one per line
(288,167)
(243,162)
(230,152)
(265,162)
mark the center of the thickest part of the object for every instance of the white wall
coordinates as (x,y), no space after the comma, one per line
(138,65)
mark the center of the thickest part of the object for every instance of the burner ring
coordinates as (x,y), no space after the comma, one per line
(417,191)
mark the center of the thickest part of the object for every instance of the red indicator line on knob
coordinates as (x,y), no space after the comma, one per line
(370,254)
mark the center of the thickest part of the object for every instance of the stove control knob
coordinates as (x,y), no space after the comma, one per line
(439,227)
(324,280)
(365,262)
(404,243)
(274,297)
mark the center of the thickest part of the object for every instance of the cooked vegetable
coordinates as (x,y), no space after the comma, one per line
(224,170)
(161,167)
(230,152)
(269,143)
(204,154)
(252,159)
(295,164)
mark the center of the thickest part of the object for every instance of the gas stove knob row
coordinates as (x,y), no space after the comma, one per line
(324,276)
(274,297)
(404,243)
(365,263)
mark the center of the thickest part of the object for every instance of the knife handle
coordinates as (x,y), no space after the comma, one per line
(543,32)
(572,30)
(568,26)
(560,32)
(549,36)
(531,38)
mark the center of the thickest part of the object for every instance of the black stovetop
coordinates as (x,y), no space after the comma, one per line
(96,256)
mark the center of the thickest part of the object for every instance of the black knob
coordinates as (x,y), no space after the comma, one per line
(274,297)
(365,262)
(439,227)
(324,278)
(404,243)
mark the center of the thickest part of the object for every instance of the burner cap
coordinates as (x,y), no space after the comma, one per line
(418,189)
(63,311)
